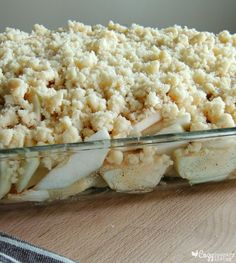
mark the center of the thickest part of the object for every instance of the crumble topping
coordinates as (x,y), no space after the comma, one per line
(63,86)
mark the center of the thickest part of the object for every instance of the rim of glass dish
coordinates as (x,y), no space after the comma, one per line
(126,142)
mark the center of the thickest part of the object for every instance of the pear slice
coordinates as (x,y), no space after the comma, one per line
(80,165)
(149,121)
(77,187)
(30,195)
(5,178)
(136,178)
(30,167)
(209,164)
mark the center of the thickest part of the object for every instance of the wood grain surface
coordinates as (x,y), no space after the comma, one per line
(162,226)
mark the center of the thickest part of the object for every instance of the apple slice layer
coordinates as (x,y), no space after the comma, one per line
(80,165)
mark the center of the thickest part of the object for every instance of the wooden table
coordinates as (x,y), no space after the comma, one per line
(162,226)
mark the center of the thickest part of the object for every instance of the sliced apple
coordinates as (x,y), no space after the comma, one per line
(174,128)
(39,174)
(5,178)
(77,187)
(209,164)
(154,129)
(183,121)
(80,165)
(37,106)
(30,195)
(136,178)
(219,143)
(169,147)
(149,121)
(29,168)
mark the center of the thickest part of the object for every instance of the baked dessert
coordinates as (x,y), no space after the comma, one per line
(85,83)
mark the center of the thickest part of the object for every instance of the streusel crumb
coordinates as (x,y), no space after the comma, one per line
(62,86)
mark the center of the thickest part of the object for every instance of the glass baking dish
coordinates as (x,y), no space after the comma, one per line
(47,173)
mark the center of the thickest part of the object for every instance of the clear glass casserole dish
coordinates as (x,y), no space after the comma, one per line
(47,173)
